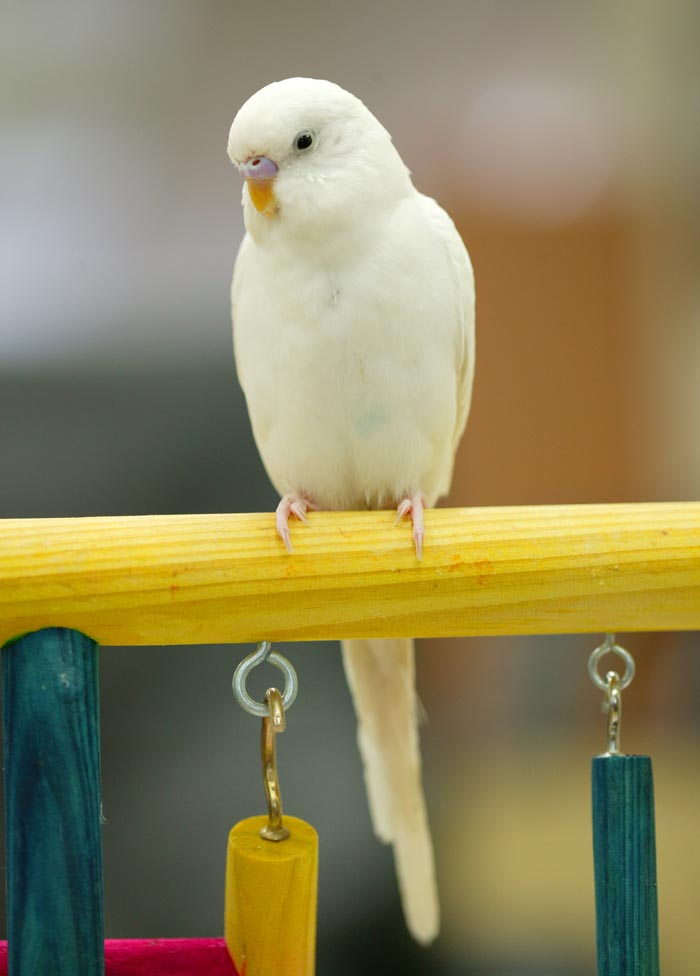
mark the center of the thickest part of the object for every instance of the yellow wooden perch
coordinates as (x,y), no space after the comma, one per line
(198,579)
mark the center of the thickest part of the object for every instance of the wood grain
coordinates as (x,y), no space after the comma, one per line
(624,848)
(198,579)
(52,805)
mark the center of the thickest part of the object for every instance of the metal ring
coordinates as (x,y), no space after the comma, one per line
(610,647)
(240,676)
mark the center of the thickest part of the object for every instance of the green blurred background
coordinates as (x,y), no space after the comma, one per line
(564,139)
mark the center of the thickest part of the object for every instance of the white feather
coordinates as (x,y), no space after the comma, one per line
(381,676)
(353,313)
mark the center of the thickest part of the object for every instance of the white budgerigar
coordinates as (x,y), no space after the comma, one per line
(353,310)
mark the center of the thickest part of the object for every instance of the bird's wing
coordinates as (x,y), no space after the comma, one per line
(461,277)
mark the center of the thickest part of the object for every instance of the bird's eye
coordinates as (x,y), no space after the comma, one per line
(304,141)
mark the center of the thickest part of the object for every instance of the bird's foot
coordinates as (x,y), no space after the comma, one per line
(413,505)
(289,505)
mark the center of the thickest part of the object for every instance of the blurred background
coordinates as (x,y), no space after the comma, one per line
(564,140)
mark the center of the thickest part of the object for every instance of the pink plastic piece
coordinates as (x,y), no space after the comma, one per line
(159,957)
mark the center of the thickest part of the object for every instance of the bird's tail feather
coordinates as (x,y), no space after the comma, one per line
(381,676)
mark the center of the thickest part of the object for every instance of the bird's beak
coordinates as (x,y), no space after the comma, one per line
(259,173)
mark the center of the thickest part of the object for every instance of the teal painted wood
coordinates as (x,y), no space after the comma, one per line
(624,851)
(52,805)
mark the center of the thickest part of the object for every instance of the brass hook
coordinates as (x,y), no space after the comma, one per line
(272,723)
(613,706)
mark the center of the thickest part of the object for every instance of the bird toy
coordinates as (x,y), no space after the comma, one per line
(272,861)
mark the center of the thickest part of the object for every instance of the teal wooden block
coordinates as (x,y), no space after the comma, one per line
(52,803)
(624,850)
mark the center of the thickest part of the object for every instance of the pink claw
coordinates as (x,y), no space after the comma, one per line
(291,505)
(413,506)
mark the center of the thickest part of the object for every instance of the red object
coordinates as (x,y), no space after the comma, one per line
(159,957)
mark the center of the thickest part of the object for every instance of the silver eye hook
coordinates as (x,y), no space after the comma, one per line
(612,684)
(264,653)
(610,647)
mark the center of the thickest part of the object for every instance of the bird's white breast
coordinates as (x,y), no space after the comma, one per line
(349,361)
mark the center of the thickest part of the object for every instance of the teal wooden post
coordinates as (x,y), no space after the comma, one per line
(625,866)
(52,805)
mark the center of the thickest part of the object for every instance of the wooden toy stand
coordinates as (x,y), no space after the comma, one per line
(225,578)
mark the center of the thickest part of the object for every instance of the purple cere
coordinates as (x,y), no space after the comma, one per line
(258,168)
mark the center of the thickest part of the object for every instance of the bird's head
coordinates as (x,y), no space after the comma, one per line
(313,157)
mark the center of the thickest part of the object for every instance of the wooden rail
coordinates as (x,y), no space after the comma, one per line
(199,579)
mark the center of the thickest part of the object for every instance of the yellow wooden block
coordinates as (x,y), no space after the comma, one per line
(271,895)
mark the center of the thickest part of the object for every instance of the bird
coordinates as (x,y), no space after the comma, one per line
(353,323)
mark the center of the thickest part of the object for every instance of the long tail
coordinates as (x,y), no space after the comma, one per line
(381,676)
